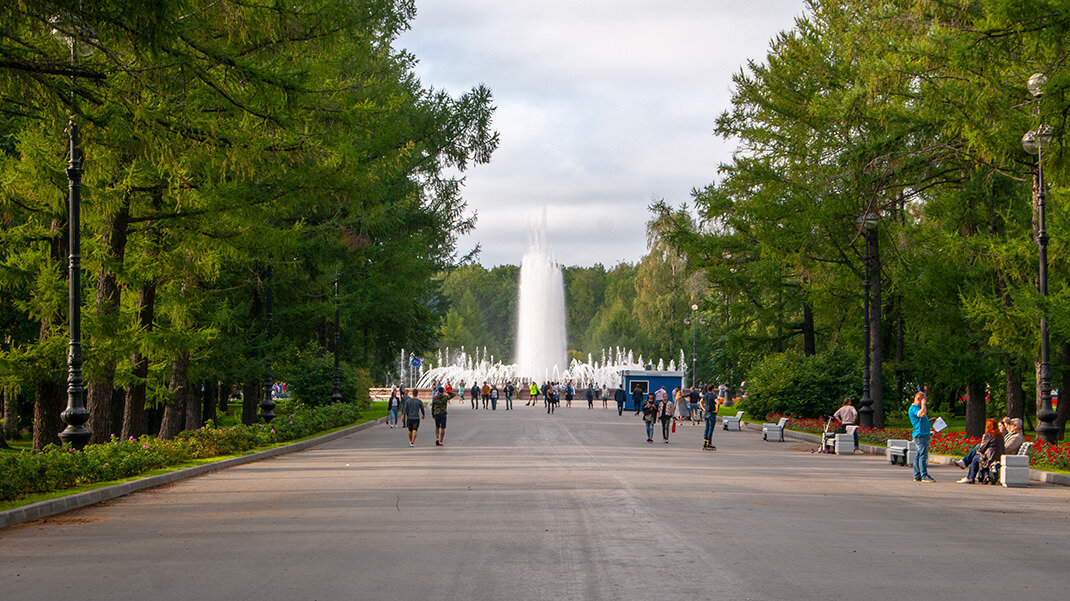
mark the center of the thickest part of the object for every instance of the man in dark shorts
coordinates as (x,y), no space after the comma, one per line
(414,411)
(439,402)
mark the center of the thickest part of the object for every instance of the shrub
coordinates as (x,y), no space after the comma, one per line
(793,384)
(56,468)
(310,376)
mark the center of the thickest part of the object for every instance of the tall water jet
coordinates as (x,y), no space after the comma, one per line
(541,335)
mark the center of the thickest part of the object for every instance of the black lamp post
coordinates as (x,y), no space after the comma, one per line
(267,405)
(337,396)
(1034,142)
(868,223)
(80,40)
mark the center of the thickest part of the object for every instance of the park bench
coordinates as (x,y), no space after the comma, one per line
(1014,469)
(900,451)
(774,430)
(732,422)
(845,443)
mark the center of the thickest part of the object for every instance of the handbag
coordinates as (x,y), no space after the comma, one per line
(674,426)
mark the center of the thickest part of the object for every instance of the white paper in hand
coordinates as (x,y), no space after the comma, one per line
(939,424)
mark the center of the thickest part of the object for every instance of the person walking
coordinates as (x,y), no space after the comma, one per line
(694,399)
(709,412)
(605,396)
(393,406)
(621,397)
(533,394)
(414,411)
(922,429)
(590,396)
(650,411)
(569,393)
(475,395)
(683,410)
(665,408)
(551,398)
(637,396)
(510,390)
(485,393)
(494,397)
(439,404)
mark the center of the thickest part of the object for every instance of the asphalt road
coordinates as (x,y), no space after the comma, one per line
(523,506)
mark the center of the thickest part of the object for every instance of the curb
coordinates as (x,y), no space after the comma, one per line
(52,507)
(1034,475)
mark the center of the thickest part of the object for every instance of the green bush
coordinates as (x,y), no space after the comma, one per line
(55,468)
(793,384)
(310,377)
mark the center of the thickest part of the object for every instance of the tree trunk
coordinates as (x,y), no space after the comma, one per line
(876,346)
(11,414)
(1015,392)
(194,402)
(809,340)
(102,380)
(250,392)
(224,397)
(47,405)
(174,411)
(975,409)
(134,408)
(49,398)
(211,401)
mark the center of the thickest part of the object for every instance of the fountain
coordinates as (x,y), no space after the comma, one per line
(541,336)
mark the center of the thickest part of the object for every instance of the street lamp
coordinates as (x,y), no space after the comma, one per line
(80,40)
(1034,142)
(690,320)
(337,396)
(868,224)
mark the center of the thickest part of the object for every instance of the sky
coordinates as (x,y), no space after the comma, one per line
(603,107)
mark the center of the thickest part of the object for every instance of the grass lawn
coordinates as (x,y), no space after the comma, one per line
(377,410)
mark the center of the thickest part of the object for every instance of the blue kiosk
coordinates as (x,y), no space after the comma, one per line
(649,381)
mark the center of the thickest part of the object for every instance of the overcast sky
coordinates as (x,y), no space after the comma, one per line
(602,107)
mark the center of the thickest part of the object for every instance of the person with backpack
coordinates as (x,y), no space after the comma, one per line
(621,396)
(665,408)
(439,404)
(590,396)
(650,410)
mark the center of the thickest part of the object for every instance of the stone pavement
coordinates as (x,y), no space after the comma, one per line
(520,505)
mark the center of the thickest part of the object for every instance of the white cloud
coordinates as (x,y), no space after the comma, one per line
(602,106)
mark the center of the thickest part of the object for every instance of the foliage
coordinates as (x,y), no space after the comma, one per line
(310,377)
(794,384)
(55,468)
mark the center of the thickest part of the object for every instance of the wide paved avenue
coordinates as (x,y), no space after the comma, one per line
(524,506)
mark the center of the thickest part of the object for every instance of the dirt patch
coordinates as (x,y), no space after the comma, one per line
(803,448)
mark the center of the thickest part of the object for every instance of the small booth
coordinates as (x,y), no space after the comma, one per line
(649,381)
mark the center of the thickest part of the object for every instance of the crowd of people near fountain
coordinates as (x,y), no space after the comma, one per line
(694,405)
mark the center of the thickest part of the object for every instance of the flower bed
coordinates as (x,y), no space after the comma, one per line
(55,468)
(1041,455)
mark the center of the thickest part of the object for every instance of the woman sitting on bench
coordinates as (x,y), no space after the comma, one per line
(987,454)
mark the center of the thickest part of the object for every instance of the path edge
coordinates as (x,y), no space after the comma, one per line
(51,507)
